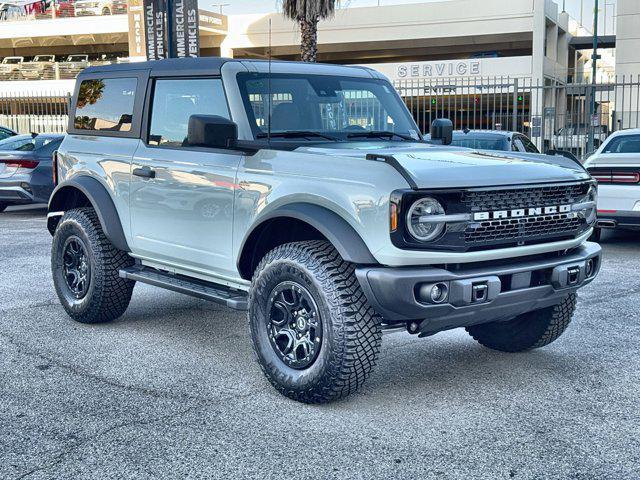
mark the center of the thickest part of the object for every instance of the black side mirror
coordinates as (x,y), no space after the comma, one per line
(563,153)
(211,131)
(442,131)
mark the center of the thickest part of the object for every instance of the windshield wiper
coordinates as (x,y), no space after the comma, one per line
(296,134)
(381,134)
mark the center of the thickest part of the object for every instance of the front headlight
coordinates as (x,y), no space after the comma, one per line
(420,222)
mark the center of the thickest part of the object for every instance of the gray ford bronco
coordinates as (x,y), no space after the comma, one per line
(306,195)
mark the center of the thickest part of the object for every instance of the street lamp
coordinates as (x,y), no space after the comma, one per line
(220,6)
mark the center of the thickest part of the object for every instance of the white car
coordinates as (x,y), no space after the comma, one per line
(616,167)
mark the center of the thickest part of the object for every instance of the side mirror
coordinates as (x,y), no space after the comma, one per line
(565,154)
(442,131)
(211,131)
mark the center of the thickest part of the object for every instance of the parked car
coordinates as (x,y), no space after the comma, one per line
(26,174)
(42,67)
(6,133)
(100,7)
(616,167)
(73,65)
(63,8)
(326,219)
(493,140)
(10,68)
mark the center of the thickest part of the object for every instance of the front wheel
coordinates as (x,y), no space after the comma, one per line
(3,206)
(313,332)
(85,268)
(527,331)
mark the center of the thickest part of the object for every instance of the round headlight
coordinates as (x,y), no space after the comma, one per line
(418,223)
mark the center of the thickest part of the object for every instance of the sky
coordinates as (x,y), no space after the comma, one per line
(262,6)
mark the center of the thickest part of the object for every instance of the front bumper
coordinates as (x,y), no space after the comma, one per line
(478,294)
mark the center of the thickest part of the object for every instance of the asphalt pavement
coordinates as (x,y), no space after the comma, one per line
(171,390)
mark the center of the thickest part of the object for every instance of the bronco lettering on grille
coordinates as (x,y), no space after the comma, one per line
(521,212)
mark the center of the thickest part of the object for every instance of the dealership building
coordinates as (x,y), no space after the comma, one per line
(509,61)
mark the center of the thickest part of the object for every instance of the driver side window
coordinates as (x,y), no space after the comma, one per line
(175,100)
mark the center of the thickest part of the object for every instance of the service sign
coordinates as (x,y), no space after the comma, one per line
(154,27)
(185,40)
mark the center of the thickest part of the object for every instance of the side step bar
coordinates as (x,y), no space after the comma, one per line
(196,288)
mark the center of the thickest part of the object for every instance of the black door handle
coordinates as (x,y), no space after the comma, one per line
(144,172)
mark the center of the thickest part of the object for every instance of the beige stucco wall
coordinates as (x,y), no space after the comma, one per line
(628,60)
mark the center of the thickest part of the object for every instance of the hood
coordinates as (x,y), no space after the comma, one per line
(436,166)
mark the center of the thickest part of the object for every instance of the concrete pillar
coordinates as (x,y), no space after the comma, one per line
(628,63)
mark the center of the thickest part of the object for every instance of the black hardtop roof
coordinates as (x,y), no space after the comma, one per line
(173,66)
(209,65)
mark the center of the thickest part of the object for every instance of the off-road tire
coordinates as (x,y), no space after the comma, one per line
(530,330)
(351,328)
(108,295)
(3,206)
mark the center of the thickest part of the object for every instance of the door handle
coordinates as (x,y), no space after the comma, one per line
(144,172)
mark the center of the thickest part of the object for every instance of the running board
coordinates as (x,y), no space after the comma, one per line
(196,288)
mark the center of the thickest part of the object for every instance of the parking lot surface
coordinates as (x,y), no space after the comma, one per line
(171,390)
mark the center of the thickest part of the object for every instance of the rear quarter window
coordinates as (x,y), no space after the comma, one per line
(105,105)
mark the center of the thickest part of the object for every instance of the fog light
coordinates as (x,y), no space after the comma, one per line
(590,268)
(438,293)
(26,187)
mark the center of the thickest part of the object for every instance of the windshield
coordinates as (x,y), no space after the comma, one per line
(76,58)
(12,61)
(498,143)
(325,107)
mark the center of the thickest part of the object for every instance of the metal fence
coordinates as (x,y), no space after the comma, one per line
(35,112)
(554,115)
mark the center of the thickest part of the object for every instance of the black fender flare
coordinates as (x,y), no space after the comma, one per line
(100,200)
(332,226)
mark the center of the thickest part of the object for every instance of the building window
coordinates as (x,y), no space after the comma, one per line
(106,104)
(174,101)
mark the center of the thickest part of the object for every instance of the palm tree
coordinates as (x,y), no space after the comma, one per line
(308,13)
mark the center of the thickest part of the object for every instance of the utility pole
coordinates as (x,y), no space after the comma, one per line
(594,63)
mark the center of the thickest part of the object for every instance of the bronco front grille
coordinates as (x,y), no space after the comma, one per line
(489,200)
(522,228)
(503,217)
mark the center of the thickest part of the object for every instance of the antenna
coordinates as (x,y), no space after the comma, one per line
(269,89)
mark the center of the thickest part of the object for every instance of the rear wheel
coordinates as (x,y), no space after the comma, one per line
(3,206)
(314,334)
(85,268)
(530,330)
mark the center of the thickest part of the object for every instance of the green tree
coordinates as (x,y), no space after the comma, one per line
(308,13)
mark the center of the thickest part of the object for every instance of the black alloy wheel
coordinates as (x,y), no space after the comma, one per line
(294,325)
(76,267)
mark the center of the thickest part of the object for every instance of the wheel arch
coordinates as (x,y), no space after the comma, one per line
(84,191)
(301,221)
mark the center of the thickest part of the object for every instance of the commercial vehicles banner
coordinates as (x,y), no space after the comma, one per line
(155,30)
(185,40)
